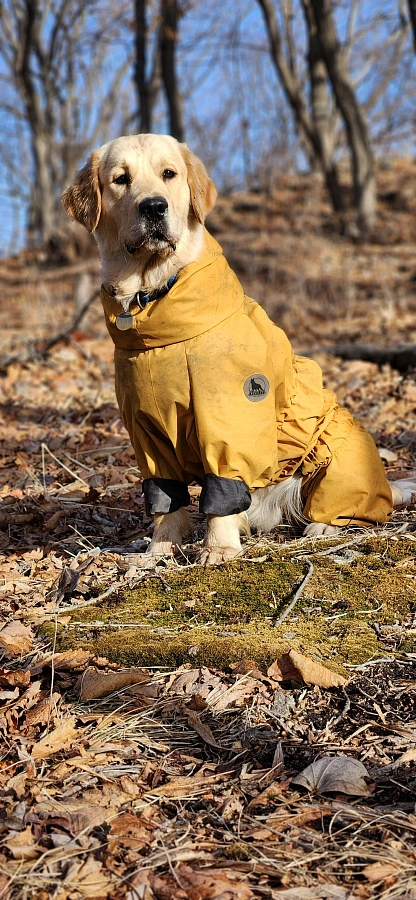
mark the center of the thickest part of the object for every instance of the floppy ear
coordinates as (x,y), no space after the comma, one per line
(82,200)
(203,190)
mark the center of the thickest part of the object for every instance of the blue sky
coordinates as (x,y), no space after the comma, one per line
(235,116)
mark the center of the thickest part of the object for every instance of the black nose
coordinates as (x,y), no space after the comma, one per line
(153,207)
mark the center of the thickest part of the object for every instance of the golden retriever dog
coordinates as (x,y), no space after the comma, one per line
(208,387)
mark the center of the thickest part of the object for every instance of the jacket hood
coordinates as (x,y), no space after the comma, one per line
(205,294)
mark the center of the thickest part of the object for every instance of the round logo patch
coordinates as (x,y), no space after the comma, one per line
(256,387)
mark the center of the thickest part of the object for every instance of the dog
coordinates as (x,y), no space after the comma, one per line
(208,387)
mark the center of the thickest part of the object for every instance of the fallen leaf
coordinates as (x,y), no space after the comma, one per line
(202,729)
(294,665)
(68,659)
(14,678)
(342,774)
(239,693)
(202,884)
(408,756)
(387,455)
(379,871)
(16,639)
(95,684)
(320,892)
(88,878)
(246,667)
(131,832)
(60,737)
(40,713)
(22,845)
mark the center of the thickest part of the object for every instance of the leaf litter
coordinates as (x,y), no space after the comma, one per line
(288,782)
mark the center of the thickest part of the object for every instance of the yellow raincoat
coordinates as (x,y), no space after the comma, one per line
(210,391)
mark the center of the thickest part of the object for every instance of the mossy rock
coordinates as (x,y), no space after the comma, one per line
(223,614)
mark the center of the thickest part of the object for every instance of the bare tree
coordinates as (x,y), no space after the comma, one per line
(412,13)
(351,111)
(147,65)
(156,66)
(169,39)
(56,89)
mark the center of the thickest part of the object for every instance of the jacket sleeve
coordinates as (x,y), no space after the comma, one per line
(233,399)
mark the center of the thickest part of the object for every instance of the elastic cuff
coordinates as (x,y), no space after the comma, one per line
(164,495)
(223,496)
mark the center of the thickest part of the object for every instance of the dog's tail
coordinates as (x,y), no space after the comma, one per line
(403,491)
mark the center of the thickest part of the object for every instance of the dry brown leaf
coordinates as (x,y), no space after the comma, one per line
(181,786)
(319,892)
(132,832)
(76,818)
(14,678)
(202,729)
(239,693)
(202,884)
(40,713)
(408,756)
(89,879)
(342,774)
(4,887)
(246,667)
(294,665)
(22,845)
(95,684)
(379,871)
(16,639)
(61,737)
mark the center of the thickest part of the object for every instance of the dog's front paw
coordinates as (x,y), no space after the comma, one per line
(315,529)
(213,556)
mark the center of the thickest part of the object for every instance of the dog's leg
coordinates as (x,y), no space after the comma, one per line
(222,539)
(168,533)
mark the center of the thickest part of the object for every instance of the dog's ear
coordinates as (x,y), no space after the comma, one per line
(202,189)
(82,200)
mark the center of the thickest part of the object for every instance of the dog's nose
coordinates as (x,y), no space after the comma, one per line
(153,207)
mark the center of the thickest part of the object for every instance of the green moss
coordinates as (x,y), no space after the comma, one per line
(222,614)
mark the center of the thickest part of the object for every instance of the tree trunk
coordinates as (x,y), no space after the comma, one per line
(169,37)
(321,111)
(355,124)
(42,215)
(142,84)
(287,79)
(412,13)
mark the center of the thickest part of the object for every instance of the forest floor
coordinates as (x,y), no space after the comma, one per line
(235,751)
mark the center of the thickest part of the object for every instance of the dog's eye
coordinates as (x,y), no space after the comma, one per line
(168,173)
(122,179)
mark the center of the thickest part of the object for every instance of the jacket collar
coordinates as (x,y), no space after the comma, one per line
(204,294)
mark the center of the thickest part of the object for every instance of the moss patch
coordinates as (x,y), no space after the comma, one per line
(222,614)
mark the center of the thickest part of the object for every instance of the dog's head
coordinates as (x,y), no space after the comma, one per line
(145,198)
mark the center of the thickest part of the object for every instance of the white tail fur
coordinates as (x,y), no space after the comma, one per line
(270,505)
(403,490)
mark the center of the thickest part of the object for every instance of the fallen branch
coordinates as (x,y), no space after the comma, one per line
(400,356)
(36,350)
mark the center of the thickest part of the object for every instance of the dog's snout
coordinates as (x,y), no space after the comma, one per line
(153,207)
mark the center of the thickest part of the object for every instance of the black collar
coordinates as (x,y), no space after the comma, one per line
(142,298)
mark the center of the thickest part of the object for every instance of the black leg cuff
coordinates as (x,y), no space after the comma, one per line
(164,495)
(223,496)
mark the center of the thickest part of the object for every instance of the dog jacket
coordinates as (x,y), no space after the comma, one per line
(210,390)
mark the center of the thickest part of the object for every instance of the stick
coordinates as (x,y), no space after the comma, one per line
(298,594)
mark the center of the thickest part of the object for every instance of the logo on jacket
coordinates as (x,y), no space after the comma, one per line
(256,387)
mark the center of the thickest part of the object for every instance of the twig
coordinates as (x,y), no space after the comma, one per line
(298,594)
(34,350)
